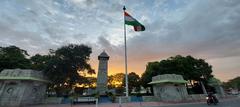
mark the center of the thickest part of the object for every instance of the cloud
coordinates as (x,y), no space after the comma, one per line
(54,22)
(207,29)
(204,29)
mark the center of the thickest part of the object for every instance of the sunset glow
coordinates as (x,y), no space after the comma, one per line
(206,29)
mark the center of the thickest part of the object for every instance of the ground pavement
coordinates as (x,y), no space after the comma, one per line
(234,102)
(225,103)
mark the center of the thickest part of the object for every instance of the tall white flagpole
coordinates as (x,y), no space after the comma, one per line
(125,48)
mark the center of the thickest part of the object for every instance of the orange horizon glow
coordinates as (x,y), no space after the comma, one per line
(117,66)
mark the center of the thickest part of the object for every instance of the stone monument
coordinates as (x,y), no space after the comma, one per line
(20,87)
(102,73)
(216,83)
(169,87)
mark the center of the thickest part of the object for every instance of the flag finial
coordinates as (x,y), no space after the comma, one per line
(124,8)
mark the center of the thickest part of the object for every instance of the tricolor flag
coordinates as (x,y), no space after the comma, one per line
(129,20)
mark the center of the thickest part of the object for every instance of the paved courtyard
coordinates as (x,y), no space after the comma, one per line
(235,102)
(227,103)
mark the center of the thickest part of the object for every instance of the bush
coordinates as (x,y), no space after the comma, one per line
(119,90)
(96,95)
(111,96)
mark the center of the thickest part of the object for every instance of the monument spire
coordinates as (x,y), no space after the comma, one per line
(102,73)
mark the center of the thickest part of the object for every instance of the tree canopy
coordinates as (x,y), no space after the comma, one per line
(116,80)
(13,57)
(133,81)
(67,62)
(62,66)
(233,83)
(40,62)
(190,68)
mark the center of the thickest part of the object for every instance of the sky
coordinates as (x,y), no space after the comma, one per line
(206,29)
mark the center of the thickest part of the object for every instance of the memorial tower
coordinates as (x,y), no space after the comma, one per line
(102,78)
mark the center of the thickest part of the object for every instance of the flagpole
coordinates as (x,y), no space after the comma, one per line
(125,49)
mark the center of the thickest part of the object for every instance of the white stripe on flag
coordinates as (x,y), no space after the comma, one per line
(127,18)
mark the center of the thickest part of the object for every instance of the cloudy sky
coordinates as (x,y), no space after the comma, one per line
(207,29)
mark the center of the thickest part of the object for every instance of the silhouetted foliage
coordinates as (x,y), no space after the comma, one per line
(40,62)
(66,63)
(62,66)
(189,67)
(12,57)
(116,80)
(233,83)
(133,82)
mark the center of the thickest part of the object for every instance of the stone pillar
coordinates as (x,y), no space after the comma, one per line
(102,77)
(203,88)
(219,90)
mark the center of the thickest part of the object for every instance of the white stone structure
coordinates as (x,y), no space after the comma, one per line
(102,73)
(214,82)
(169,87)
(21,87)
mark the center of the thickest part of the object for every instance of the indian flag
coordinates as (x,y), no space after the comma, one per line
(129,20)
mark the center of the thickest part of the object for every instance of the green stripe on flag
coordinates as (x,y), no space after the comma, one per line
(133,23)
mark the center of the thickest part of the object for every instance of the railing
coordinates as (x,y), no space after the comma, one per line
(84,100)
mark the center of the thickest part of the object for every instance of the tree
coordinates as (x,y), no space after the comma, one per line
(110,82)
(92,81)
(152,69)
(13,57)
(133,81)
(189,67)
(116,80)
(233,83)
(39,62)
(66,63)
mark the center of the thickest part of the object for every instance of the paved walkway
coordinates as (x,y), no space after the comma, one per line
(132,104)
(137,104)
